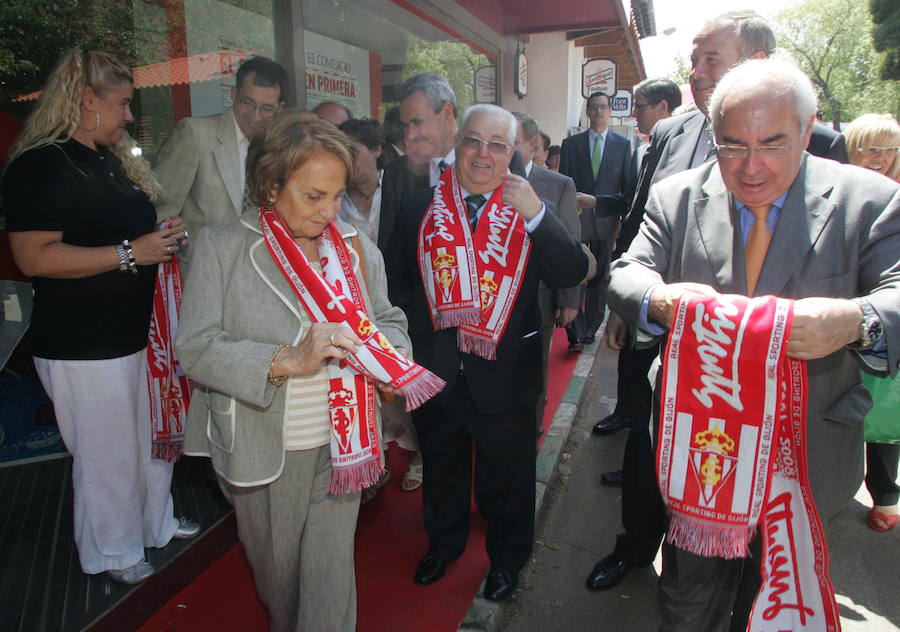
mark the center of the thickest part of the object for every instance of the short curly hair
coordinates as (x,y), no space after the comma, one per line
(290,139)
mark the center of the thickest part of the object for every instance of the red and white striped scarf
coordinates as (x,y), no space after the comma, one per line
(335,296)
(471,281)
(731,453)
(170,389)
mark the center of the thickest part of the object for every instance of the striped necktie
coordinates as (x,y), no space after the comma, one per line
(473,203)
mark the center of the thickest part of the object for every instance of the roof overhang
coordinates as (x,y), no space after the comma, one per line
(601,27)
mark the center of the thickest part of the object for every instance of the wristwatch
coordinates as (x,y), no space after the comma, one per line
(870,329)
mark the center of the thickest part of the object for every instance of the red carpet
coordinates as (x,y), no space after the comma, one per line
(390,541)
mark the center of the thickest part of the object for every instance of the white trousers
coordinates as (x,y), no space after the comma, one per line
(123,500)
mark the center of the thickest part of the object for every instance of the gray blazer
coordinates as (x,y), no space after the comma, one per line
(237,308)
(560,190)
(838,236)
(199,168)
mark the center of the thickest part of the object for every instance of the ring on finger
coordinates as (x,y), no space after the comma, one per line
(331,340)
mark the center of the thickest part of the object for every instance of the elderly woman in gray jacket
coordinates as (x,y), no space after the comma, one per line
(275,330)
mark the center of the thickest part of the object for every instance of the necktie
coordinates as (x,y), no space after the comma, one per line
(597,155)
(757,244)
(442,165)
(473,203)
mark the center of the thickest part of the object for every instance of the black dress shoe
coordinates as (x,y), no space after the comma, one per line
(430,570)
(611,479)
(499,584)
(608,572)
(576,346)
(610,424)
(588,340)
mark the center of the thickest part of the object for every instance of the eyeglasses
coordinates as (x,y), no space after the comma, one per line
(597,106)
(474,144)
(641,106)
(742,151)
(872,151)
(248,105)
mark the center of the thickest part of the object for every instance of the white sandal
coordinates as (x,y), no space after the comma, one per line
(412,480)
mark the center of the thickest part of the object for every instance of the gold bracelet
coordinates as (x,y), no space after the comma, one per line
(276,381)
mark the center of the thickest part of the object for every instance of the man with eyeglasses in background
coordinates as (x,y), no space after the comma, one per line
(201,167)
(599,161)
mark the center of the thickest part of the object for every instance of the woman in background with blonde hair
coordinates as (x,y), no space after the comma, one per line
(872,142)
(83,225)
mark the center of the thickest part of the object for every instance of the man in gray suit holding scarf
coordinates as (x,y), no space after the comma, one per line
(830,235)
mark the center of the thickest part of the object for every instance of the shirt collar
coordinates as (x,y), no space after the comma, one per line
(528,168)
(778,203)
(450,158)
(239,133)
(593,135)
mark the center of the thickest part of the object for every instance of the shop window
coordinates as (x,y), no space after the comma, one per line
(359,52)
(183,53)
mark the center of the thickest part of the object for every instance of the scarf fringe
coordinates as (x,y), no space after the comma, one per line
(167,449)
(458,318)
(421,389)
(478,345)
(354,478)
(709,539)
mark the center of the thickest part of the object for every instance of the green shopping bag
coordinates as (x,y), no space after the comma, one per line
(883,421)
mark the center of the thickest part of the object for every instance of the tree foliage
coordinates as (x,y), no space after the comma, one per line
(34,33)
(832,41)
(681,74)
(454,60)
(886,36)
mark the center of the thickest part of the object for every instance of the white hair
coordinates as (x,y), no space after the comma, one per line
(774,77)
(492,110)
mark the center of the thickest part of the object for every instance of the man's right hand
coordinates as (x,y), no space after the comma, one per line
(585,201)
(665,297)
(615,333)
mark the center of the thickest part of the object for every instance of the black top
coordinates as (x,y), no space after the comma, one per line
(84,193)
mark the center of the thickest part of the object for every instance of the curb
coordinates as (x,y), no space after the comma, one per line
(483,615)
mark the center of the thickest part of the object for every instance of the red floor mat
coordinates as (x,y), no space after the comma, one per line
(389,543)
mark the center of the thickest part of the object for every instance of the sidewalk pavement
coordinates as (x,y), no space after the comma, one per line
(578,520)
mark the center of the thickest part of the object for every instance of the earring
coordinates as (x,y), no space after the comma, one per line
(97,114)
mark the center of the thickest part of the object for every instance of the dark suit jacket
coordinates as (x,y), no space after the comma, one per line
(515,378)
(613,185)
(396,181)
(389,154)
(672,144)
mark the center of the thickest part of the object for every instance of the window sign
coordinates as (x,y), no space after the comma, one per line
(338,72)
(486,85)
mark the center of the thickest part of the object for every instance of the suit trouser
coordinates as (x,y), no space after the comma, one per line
(123,499)
(504,477)
(881,473)
(593,303)
(643,512)
(546,342)
(707,594)
(299,541)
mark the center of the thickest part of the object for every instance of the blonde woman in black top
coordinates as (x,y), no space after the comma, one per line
(82,223)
